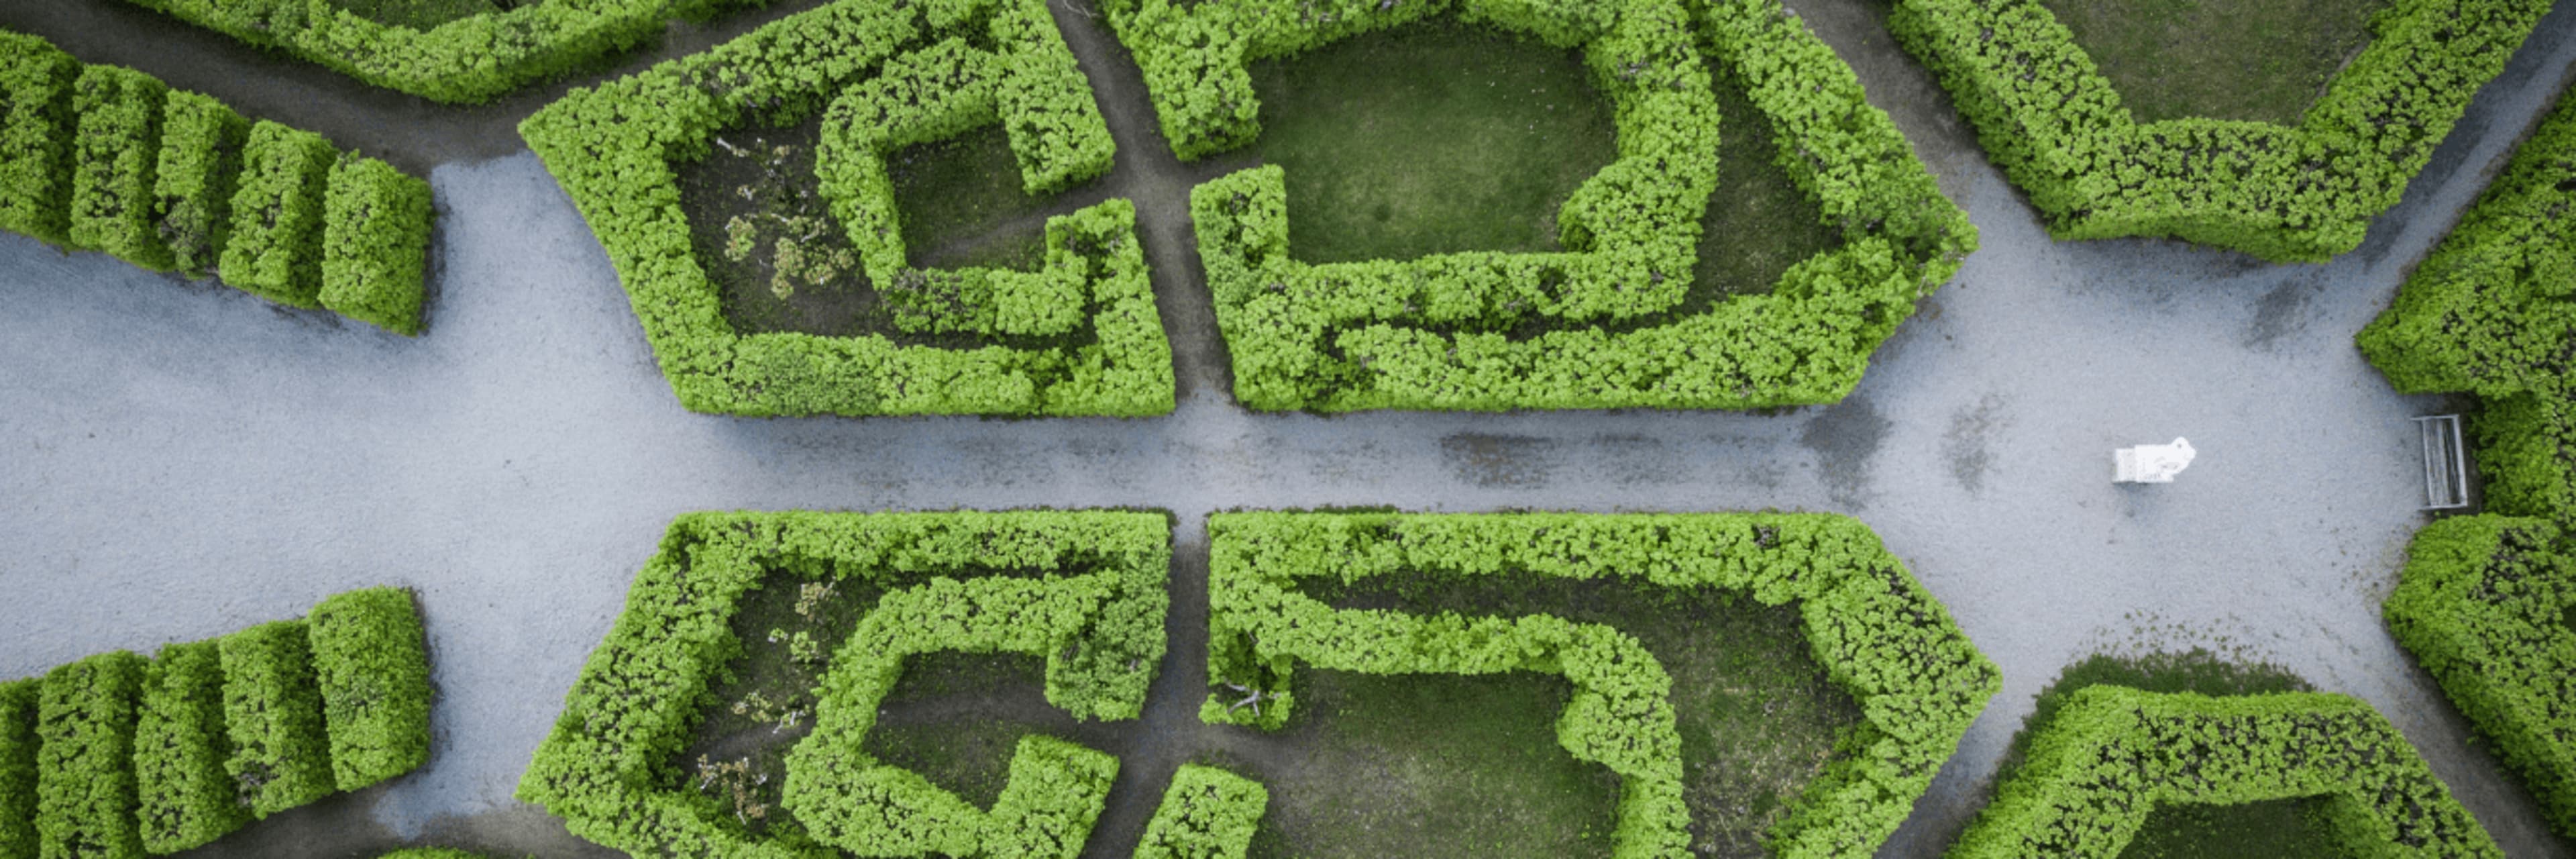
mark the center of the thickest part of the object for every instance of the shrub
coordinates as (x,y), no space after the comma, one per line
(113,157)
(612,148)
(2111,754)
(1450,331)
(85,794)
(276,246)
(281,754)
(35,137)
(186,796)
(2286,194)
(1207,814)
(201,143)
(1086,590)
(18,700)
(371,664)
(1882,638)
(375,244)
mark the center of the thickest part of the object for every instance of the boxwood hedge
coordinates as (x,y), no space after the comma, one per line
(1207,813)
(201,142)
(1085,589)
(180,745)
(35,137)
(85,789)
(2054,123)
(375,243)
(1881,637)
(1451,331)
(371,665)
(276,247)
(2113,754)
(117,147)
(273,714)
(18,768)
(880,75)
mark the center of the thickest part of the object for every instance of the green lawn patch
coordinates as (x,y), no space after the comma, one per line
(1760,223)
(2255,830)
(2254,60)
(422,14)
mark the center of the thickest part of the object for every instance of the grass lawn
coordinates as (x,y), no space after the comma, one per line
(2260,830)
(2261,60)
(1758,223)
(423,14)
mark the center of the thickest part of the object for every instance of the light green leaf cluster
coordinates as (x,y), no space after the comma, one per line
(1207,813)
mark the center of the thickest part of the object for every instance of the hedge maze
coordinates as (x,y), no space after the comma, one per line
(1077,336)
(2112,754)
(2289,194)
(116,755)
(109,159)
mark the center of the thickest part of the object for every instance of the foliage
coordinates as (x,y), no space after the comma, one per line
(2112,753)
(1598,326)
(2303,194)
(1882,638)
(201,142)
(430,853)
(371,666)
(35,137)
(375,243)
(1207,813)
(187,798)
(276,247)
(18,768)
(612,149)
(85,791)
(113,156)
(1083,589)
(273,713)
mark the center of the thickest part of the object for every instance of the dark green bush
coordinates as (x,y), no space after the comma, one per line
(375,244)
(2112,754)
(281,753)
(187,798)
(1207,814)
(118,113)
(35,137)
(85,793)
(1086,590)
(2049,118)
(18,768)
(201,143)
(275,251)
(371,662)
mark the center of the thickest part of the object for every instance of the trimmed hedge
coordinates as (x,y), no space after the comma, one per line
(2304,194)
(375,244)
(35,137)
(1881,637)
(85,791)
(1449,331)
(276,247)
(113,158)
(201,142)
(273,713)
(1207,814)
(1085,589)
(2112,754)
(18,703)
(371,663)
(612,149)
(187,797)
(465,61)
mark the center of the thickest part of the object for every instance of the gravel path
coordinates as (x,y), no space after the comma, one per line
(184,460)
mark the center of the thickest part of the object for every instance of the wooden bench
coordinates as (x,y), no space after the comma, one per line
(2446,462)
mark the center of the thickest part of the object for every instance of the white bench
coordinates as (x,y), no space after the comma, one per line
(2446,462)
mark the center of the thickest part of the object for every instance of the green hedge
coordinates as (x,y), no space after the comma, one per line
(2112,754)
(281,752)
(371,663)
(35,137)
(1882,639)
(375,244)
(201,142)
(613,148)
(2056,126)
(113,158)
(18,702)
(465,61)
(187,796)
(85,791)
(1449,331)
(276,247)
(430,853)
(1207,814)
(1086,589)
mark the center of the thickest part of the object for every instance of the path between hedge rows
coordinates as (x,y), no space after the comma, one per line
(183,460)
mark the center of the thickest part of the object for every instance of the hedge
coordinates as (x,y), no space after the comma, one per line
(113,158)
(276,247)
(1882,639)
(2304,194)
(187,797)
(201,142)
(1207,814)
(1086,589)
(375,244)
(430,853)
(35,137)
(2112,754)
(1449,331)
(85,791)
(371,664)
(273,713)
(612,149)
(466,61)
(18,703)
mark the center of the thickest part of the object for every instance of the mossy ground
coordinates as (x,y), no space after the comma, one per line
(2258,60)
(424,14)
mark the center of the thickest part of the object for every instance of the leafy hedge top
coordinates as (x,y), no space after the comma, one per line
(1880,636)
(2112,754)
(641,693)
(612,148)
(2303,194)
